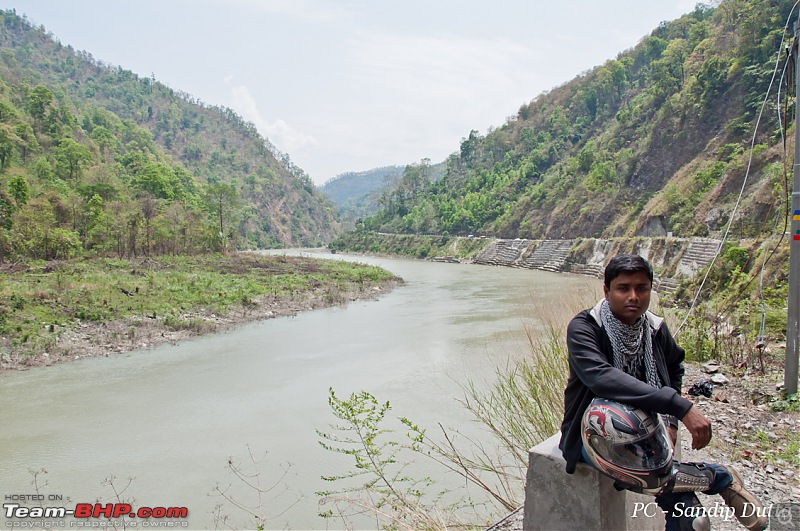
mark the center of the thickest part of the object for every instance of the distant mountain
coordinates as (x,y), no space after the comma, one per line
(120,163)
(353,185)
(655,141)
(360,194)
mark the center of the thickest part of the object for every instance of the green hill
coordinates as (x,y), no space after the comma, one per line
(95,159)
(655,141)
(351,186)
(361,194)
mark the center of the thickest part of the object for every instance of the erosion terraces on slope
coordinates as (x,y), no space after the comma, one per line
(672,259)
(503,253)
(548,255)
(698,254)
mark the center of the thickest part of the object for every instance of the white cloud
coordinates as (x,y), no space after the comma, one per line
(446,67)
(280,133)
(402,97)
(312,10)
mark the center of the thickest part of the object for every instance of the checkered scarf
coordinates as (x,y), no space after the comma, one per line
(628,342)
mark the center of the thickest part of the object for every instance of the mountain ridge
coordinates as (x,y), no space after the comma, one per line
(130,123)
(649,143)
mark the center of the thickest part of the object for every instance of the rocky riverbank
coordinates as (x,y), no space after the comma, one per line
(94,339)
(762,444)
(61,337)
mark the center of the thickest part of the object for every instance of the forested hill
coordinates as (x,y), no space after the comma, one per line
(654,141)
(355,185)
(361,194)
(103,160)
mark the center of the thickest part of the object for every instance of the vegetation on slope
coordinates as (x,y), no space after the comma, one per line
(353,187)
(417,246)
(654,141)
(95,159)
(359,195)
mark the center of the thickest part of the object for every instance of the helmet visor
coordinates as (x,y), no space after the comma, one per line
(647,454)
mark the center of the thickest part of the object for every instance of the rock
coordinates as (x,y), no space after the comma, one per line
(719,379)
(710,367)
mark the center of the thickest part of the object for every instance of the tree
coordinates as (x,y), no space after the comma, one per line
(184,224)
(71,157)
(149,207)
(6,210)
(35,233)
(8,141)
(39,100)
(222,203)
(27,138)
(95,230)
(43,170)
(104,138)
(7,112)
(19,190)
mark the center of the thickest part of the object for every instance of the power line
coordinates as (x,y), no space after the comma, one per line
(746,175)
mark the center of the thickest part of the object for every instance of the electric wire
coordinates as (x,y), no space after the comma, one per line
(784,200)
(731,302)
(746,175)
(783,127)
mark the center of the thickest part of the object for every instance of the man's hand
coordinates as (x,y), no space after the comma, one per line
(699,426)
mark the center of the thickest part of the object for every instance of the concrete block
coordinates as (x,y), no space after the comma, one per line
(587,500)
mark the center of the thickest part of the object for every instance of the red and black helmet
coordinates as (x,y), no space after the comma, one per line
(627,443)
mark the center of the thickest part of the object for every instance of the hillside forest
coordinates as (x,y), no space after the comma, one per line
(655,141)
(97,161)
(361,194)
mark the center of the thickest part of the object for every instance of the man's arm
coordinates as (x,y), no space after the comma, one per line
(696,423)
(590,364)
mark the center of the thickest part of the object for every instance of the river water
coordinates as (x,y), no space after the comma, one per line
(164,422)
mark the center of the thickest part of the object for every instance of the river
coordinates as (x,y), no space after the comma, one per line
(164,422)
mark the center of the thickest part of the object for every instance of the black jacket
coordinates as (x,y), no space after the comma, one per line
(592,373)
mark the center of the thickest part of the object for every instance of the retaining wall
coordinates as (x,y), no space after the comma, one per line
(671,258)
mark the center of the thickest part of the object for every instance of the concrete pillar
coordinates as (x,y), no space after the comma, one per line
(555,500)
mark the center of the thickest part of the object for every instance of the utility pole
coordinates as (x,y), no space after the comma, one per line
(793,317)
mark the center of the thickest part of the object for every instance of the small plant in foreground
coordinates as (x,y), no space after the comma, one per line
(521,409)
(395,500)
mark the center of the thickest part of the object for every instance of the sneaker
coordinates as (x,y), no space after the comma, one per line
(747,508)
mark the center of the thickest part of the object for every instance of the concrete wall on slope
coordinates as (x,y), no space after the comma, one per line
(672,258)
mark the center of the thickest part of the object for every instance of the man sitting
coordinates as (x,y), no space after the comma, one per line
(621,352)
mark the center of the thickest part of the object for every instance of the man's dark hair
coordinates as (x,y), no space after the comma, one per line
(627,263)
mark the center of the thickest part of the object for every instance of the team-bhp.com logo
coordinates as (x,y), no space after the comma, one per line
(88,514)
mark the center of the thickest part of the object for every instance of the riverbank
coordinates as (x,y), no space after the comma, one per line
(673,259)
(62,311)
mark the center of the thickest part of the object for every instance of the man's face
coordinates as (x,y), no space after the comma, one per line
(629,296)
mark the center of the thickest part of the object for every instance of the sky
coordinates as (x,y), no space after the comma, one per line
(351,85)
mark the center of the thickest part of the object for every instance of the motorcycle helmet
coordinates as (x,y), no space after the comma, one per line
(627,443)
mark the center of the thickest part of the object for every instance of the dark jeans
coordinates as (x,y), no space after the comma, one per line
(669,500)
